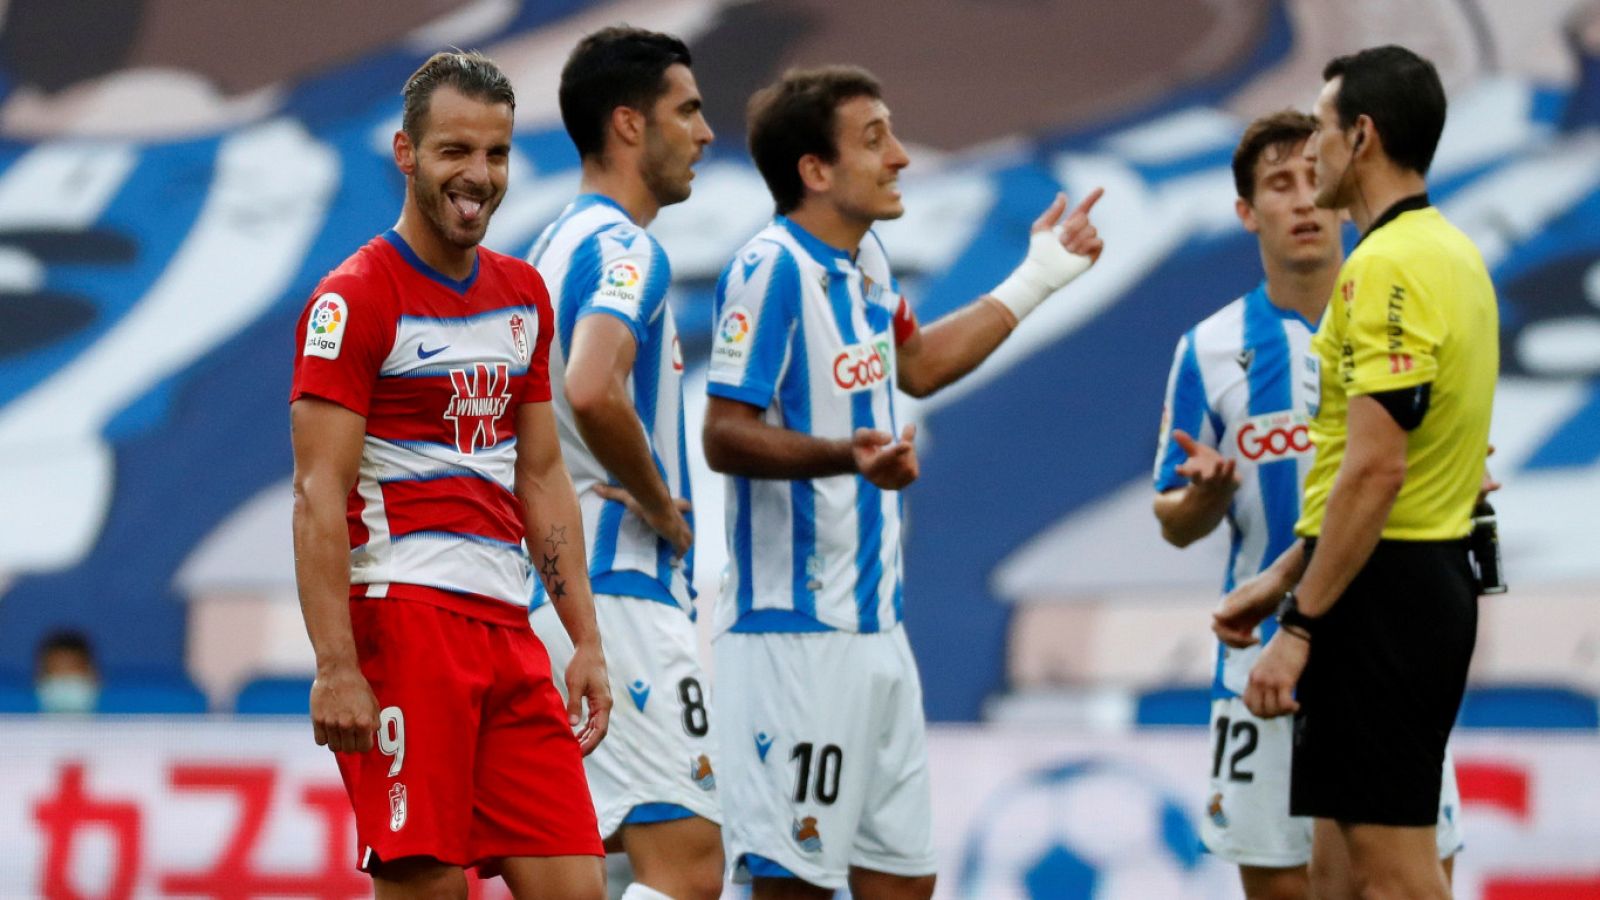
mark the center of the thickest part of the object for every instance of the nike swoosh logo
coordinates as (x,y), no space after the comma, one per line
(429,354)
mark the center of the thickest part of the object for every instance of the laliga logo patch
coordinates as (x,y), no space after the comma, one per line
(1274,436)
(326,327)
(700,772)
(731,334)
(806,834)
(397,807)
(622,275)
(620,285)
(519,336)
(862,367)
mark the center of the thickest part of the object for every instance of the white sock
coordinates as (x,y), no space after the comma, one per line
(637,891)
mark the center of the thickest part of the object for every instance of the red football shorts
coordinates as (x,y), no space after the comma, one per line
(474,760)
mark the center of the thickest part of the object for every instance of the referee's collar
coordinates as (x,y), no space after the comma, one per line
(1415,201)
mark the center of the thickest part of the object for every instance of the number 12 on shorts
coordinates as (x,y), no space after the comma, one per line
(1249,733)
(823,781)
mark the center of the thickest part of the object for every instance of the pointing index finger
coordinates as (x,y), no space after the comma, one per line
(1088,203)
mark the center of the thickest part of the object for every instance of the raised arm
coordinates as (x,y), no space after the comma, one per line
(554,529)
(1059,250)
(327,456)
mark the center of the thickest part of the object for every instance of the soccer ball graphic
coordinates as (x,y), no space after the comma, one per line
(1097,830)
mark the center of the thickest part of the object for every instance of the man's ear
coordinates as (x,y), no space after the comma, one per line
(405,154)
(628,124)
(1364,127)
(1247,215)
(815,174)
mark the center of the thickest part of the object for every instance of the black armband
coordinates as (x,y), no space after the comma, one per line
(1406,406)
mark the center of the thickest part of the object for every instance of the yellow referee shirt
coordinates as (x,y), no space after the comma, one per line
(1414,305)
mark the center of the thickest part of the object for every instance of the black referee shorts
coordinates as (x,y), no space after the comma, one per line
(1382,687)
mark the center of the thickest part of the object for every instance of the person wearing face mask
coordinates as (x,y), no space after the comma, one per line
(66,680)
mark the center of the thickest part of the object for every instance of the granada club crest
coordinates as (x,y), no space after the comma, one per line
(519,336)
(397,807)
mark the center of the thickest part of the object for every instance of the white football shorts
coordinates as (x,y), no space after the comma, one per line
(657,760)
(1246,820)
(824,756)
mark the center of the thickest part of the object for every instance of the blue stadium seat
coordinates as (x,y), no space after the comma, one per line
(163,693)
(16,695)
(274,696)
(1529,706)
(1175,705)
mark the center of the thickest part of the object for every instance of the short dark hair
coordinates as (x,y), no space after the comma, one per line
(469,72)
(63,641)
(1280,129)
(616,66)
(796,116)
(1401,92)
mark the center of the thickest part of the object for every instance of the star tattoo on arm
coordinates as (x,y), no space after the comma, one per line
(556,537)
(558,589)
(548,567)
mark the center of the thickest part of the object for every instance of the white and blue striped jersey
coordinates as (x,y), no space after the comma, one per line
(597,261)
(1239,383)
(808,334)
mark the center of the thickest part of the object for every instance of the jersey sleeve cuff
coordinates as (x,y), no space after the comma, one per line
(333,397)
(1170,481)
(750,394)
(1381,383)
(619,315)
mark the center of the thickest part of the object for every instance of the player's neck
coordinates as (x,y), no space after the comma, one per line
(624,188)
(1379,187)
(1303,291)
(444,257)
(826,224)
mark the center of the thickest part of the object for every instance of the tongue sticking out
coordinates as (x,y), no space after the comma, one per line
(467,209)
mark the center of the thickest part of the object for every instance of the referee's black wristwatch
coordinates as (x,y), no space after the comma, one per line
(1292,620)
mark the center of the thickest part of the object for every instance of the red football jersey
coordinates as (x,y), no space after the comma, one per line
(438,367)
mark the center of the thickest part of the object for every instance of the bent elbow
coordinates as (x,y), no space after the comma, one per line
(1391,478)
(585,401)
(719,439)
(914,382)
(718,457)
(1176,538)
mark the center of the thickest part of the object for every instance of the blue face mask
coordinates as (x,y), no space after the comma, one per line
(67,694)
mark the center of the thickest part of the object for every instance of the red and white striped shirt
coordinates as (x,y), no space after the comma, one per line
(438,367)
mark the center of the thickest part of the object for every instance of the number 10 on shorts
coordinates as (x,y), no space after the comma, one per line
(825,782)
